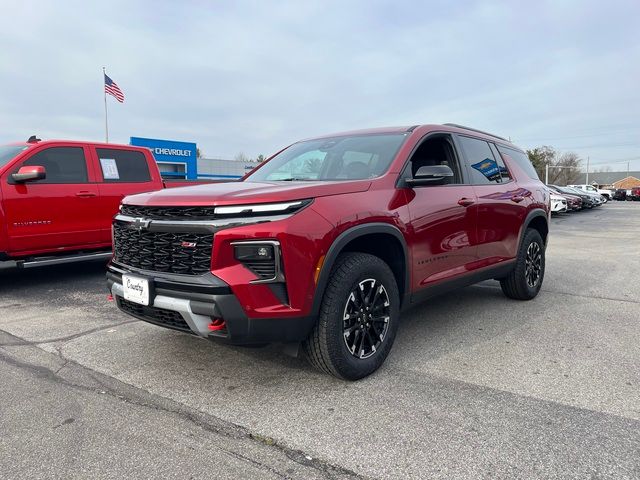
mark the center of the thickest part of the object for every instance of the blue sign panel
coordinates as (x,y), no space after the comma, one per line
(489,168)
(169,151)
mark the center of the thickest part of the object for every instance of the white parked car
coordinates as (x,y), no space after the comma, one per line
(558,204)
(597,191)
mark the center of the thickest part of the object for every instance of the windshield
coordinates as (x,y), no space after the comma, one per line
(338,158)
(8,152)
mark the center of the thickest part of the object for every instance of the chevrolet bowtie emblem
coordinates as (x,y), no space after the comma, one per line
(140,224)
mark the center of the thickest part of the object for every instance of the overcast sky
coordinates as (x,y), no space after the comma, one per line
(256,76)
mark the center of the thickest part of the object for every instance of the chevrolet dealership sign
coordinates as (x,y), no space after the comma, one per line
(172,151)
(169,151)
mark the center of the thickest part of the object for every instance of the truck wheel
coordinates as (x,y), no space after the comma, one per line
(358,318)
(525,280)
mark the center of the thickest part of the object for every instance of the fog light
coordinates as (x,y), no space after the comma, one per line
(248,252)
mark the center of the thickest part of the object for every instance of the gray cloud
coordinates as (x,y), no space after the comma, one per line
(255,76)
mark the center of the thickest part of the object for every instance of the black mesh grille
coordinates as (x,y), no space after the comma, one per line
(182,253)
(194,213)
(159,316)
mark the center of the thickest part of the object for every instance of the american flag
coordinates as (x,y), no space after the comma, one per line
(112,88)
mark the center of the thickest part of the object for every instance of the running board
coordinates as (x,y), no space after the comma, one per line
(41,261)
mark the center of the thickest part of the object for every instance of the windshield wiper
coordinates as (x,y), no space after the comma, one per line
(296,179)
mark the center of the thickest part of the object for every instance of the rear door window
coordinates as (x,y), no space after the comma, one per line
(123,165)
(504,170)
(483,166)
(61,164)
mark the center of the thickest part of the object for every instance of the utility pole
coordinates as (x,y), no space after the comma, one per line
(546,174)
(587,181)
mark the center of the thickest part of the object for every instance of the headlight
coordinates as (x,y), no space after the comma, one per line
(262,208)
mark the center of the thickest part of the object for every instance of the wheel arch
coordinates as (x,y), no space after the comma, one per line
(538,220)
(383,240)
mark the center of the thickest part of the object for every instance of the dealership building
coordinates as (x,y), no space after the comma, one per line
(624,180)
(180,160)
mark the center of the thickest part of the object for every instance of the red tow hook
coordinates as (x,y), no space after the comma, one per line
(217,324)
(109,298)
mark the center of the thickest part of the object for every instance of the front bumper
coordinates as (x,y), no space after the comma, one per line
(190,304)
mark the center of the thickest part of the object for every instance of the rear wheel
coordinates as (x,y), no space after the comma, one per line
(525,280)
(358,318)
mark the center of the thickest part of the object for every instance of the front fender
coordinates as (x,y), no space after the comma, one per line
(342,240)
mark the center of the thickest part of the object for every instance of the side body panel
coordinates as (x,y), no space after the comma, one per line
(50,217)
(442,234)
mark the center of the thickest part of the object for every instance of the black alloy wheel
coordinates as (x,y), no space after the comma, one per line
(533,264)
(358,317)
(366,318)
(525,280)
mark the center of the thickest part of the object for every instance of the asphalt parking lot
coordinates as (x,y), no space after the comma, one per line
(476,386)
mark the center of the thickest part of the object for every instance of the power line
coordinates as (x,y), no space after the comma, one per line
(621,160)
(586,135)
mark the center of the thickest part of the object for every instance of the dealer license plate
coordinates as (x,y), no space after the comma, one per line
(136,289)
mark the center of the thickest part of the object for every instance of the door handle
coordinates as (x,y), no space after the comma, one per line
(517,198)
(85,194)
(465,202)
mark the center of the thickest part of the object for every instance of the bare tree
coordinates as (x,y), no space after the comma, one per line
(563,168)
(241,157)
(571,171)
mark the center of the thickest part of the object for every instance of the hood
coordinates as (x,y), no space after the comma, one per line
(238,193)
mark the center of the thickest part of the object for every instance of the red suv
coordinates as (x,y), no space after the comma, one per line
(326,242)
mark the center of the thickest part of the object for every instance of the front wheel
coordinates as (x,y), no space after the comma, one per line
(358,318)
(525,280)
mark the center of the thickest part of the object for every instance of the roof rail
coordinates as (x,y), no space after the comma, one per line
(475,130)
(412,128)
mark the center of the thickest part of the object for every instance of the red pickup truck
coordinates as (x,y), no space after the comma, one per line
(57,197)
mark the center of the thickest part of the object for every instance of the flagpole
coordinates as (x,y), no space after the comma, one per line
(106,121)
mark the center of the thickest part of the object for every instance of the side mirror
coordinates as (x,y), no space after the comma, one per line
(431,175)
(29,173)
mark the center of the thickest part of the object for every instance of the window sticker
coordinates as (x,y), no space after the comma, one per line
(489,168)
(109,169)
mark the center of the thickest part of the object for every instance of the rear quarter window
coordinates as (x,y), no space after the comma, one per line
(123,166)
(521,159)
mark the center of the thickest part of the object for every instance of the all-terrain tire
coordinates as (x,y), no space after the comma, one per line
(327,345)
(518,284)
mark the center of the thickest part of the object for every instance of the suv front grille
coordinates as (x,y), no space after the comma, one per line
(164,213)
(171,252)
(158,316)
